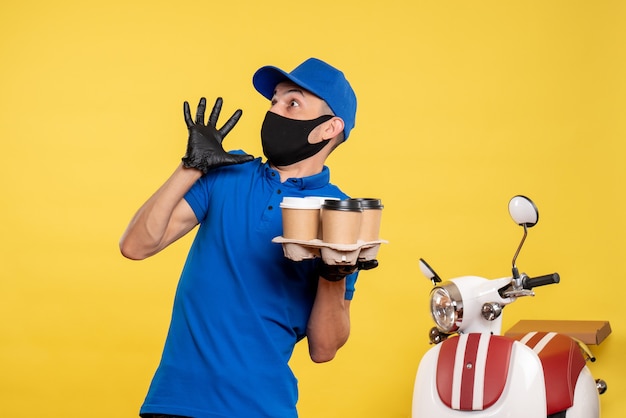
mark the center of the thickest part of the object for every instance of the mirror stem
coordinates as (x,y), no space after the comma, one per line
(515,272)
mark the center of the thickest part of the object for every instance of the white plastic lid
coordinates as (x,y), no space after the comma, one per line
(300,203)
(322,199)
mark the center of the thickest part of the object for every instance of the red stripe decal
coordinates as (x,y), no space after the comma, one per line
(469,370)
(445,369)
(497,369)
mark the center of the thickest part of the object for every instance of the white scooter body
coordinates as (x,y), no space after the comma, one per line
(479,372)
(523,394)
(525,377)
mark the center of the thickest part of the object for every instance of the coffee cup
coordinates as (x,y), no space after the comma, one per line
(341,221)
(301,218)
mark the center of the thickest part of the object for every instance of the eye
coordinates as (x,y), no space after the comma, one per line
(294,103)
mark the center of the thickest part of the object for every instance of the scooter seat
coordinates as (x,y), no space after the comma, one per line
(562,362)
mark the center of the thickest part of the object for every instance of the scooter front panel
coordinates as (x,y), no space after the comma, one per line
(523,395)
(472,370)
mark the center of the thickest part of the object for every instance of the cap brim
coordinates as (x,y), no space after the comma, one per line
(267,78)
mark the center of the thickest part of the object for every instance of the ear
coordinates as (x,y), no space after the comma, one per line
(332,128)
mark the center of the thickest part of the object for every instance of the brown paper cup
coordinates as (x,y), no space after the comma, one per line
(301,218)
(341,221)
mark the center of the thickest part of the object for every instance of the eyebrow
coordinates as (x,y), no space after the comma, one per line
(292,90)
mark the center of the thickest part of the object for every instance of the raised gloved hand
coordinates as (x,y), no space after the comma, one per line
(204,146)
(336,272)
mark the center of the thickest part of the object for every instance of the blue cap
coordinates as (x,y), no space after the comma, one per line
(318,77)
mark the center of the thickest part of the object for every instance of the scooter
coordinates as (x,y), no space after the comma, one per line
(474,371)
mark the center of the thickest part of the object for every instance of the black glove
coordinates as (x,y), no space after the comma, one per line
(204,146)
(336,272)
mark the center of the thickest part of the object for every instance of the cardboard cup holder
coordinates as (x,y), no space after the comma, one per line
(332,254)
(352,225)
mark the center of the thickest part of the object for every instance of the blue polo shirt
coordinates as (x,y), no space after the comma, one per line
(240,305)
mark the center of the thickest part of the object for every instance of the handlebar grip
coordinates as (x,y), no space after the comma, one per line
(529,282)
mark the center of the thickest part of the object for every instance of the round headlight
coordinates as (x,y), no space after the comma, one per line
(446,307)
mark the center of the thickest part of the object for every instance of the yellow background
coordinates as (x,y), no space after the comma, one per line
(461,106)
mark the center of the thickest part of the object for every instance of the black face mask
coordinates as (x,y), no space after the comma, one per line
(286,141)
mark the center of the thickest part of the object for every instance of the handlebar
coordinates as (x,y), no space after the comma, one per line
(531,282)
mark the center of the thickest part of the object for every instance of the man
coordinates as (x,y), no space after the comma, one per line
(241,306)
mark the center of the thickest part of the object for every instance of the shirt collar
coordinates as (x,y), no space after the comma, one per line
(315,181)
